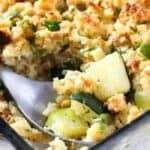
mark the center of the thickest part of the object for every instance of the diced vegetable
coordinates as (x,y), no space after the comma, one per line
(85,50)
(89,100)
(83,110)
(52,25)
(110,75)
(142,99)
(66,123)
(144,49)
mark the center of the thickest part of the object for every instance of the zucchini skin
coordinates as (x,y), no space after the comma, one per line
(90,101)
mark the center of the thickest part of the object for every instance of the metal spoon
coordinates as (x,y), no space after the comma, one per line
(32,98)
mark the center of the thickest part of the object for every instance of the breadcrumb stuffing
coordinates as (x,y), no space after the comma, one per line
(81,30)
(57,144)
(116,103)
(95,133)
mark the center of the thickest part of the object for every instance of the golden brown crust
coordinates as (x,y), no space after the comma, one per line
(139,12)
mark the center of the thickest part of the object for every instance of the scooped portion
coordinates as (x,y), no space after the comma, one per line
(84,97)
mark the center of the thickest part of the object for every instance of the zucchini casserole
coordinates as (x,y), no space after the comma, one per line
(96,53)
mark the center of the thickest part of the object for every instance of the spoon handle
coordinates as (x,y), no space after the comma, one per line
(12,136)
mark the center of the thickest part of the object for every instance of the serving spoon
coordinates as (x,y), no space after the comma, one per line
(32,98)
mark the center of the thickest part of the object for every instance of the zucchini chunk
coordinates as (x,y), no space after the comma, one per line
(142,99)
(110,75)
(66,123)
(89,100)
(83,111)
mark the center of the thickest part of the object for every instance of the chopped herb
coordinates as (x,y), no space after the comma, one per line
(85,50)
(102,126)
(36,51)
(72,9)
(118,8)
(52,25)
(99,120)
(13,23)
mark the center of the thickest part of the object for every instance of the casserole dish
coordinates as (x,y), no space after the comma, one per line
(97,54)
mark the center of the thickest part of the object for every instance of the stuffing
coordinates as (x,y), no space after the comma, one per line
(97,50)
(97,132)
(57,144)
(127,115)
(22,127)
(73,81)
(116,103)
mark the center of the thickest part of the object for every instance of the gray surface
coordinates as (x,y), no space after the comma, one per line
(5,144)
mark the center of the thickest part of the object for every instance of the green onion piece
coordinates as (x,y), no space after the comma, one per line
(144,49)
(13,23)
(99,120)
(52,25)
(85,50)
(103,127)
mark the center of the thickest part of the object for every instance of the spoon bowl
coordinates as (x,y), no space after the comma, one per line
(32,98)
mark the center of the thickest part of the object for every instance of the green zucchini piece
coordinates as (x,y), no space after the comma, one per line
(144,49)
(142,99)
(83,111)
(89,100)
(66,123)
(110,75)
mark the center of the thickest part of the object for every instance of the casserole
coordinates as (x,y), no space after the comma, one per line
(97,53)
